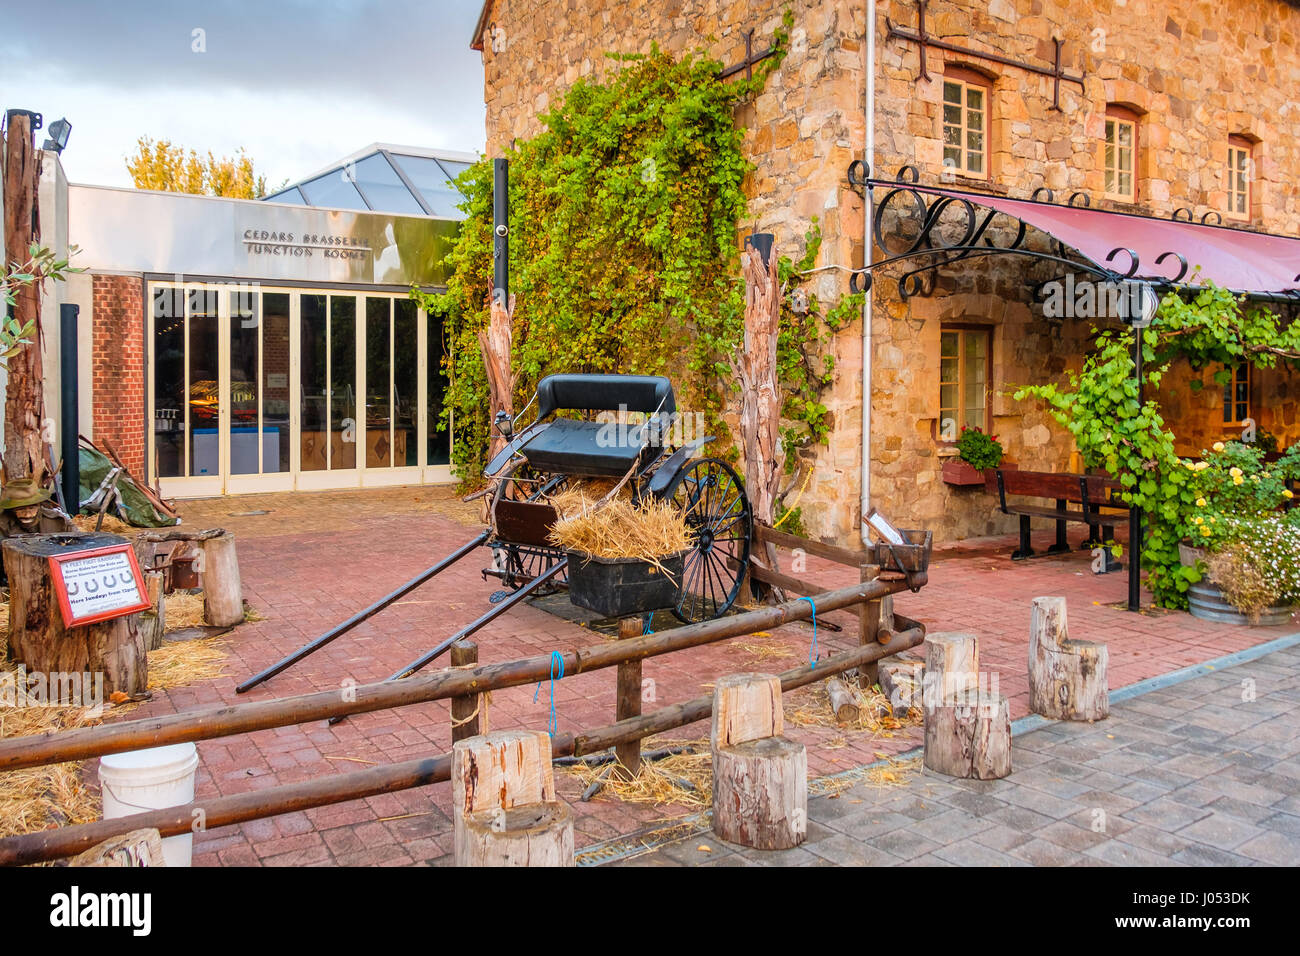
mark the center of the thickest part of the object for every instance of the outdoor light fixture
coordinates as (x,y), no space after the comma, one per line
(1142,305)
(761,242)
(59,132)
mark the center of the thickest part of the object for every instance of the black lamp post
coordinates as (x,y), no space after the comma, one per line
(1141,305)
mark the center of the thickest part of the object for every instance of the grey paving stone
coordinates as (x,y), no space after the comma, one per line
(949,827)
(1198,854)
(1220,830)
(904,844)
(1160,842)
(977,803)
(1119,853)
(1000,837)
(795,856)
(1288,823)
(1240,808)
(844,850)
(928,860)
(1070,836)
(1142,791)
(1040,801)
(918,808)
(687,852)
(869,822)
(1021,819)
(1064,787)
(971,853)
(1045,853)
(1167,814)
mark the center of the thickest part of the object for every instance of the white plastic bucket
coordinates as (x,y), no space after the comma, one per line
(152,779)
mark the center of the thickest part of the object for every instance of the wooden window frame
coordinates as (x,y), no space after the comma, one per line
(1241,146)
(963,328)
(966,80)
(1117,116)
(1229,403)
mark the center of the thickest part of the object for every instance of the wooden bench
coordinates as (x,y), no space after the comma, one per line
(1078,498)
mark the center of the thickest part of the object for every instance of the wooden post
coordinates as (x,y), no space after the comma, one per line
(24,410)
(492,777)
(952,663)
(1067,678)
(153,622)
(760,393)
(466,712)
(760,779)
(971,738)
(869,631)
(223,596)
(746,707)
(138,848)
(629,699)
(114,648)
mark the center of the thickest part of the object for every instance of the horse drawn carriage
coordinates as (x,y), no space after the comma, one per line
(587,427)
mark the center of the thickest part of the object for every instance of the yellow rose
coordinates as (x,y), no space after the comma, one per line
(1254,477)
(1235,472)
(1200,502)
(1205,532)
(1198,520)
(1217,446)
(1238,480)
(1201,465)
(1213,519)
(1286,493)
(1189,466)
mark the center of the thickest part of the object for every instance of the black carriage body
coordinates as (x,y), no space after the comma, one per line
(539,460)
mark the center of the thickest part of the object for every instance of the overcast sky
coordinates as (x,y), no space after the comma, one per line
(297,83)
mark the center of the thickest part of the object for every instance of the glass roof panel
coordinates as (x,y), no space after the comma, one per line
(432,181)
(384,188)
(333,190)
(290,195)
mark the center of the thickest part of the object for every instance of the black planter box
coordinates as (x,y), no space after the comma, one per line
(621,587)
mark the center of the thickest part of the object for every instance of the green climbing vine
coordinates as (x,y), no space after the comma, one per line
(624,214)
(1128,438)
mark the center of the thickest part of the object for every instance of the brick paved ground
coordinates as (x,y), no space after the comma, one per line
(1198,773)
(315,559)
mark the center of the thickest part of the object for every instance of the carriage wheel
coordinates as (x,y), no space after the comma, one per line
(523,563)
(712,497)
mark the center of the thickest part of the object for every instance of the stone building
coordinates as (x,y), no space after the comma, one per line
(1164,109)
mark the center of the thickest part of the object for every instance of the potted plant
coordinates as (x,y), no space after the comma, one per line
(976,452)
(1240,538)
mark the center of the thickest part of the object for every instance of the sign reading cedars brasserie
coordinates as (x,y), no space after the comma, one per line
(267,242)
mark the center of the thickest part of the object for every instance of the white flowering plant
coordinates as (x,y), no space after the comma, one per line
(1258,564)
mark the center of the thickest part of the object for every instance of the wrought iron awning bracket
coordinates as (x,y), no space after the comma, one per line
(750,61)
(924,40)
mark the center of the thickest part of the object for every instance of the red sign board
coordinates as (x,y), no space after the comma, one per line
(98,585)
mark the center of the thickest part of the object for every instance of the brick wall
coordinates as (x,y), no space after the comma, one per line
(118,368)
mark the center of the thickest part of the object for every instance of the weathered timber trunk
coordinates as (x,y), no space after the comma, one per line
(1067,678)
(153,622)
(760,793)
(223,594)
(843,704)
(495,341)
(38,638)
(971,738)
(760,396)
(539,834)
(746,707)
(139,848)
(901,681)
(952,663)
(628,702)
(499,771)
(24,393)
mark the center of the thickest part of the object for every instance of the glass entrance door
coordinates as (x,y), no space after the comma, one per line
(255,390)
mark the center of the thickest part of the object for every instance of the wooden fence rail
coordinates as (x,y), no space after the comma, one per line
(222,811)
(35,751)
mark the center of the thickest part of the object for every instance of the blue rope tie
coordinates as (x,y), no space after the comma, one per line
(812,650)
(557,661)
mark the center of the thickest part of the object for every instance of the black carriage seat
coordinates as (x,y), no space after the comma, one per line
(597,449)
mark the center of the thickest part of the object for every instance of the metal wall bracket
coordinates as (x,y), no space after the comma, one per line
(925,41)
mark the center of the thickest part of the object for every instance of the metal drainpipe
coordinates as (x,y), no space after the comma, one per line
(867,211)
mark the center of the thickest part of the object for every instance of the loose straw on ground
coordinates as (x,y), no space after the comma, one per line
(648,531)
(684,779)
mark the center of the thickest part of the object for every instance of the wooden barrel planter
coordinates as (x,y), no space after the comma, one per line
(1206,601)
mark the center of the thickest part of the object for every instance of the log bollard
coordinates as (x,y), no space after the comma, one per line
(504,811)
(1067,678)
(760,779)
(223,594)
(967,728)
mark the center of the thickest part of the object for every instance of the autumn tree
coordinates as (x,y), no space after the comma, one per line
(164,166)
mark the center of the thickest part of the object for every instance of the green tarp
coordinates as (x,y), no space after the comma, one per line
(139,511)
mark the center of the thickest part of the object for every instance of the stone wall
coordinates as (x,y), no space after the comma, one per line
(1194,73)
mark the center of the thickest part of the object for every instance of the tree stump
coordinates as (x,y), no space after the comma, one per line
(760,793)
(971,738)
(952,664)
(153,622)
(1067,678)
(538,834)
(223,595)
(843,704)
(746,707)
(499,771)
(138,848)
(37,637)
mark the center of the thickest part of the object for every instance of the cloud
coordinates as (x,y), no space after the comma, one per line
(297,83)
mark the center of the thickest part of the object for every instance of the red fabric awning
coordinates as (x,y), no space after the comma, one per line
(1236,259)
